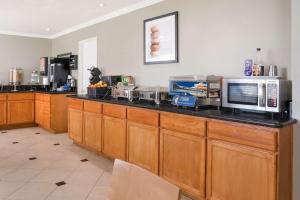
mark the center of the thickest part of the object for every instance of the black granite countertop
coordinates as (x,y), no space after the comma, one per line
(261,119)
(37,91)
(32,88)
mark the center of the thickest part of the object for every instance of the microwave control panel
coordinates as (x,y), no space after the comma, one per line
(272,95)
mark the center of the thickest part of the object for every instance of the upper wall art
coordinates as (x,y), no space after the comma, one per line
(161,39)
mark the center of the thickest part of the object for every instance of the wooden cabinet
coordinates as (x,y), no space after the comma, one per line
(75,120)
(114,137)
(236,172)
(208,159)
(20,112)
(143,138)
(248,162)
(51,112)
(183,152)
(20,108)
(3,106)
(92,125)
(38,112)
(42,111)
(183,123)
(182,161)
(143,145)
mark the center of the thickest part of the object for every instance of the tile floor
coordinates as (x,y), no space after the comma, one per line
(33,161)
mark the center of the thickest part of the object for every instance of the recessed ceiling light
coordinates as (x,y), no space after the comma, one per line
(101,5)
(48,29)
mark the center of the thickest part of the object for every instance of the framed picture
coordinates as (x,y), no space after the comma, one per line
(161,39)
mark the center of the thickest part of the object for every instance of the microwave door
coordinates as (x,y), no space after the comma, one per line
(262,95)
(243,94)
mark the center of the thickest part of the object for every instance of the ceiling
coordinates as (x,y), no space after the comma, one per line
(53,18)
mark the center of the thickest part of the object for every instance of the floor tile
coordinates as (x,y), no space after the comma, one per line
(65,164)
(4,171)
(70,192)
(33,191)
(20,175)
(24,179)
(38,164)
(84,178)
(99,193)
(51,176)
(12,162)
(105,180)
(7,188)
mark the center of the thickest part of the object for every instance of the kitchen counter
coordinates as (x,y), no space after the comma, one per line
(33,91)
(222,114)
(32,88)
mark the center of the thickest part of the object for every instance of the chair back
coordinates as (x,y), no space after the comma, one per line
(130,182)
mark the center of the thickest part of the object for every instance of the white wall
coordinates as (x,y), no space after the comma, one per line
(215,37)
(87,58)
(296,91)
(21,52)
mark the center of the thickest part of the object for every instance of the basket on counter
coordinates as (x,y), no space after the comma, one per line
(97,92)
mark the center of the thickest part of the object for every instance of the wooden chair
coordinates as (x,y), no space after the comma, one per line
(130,182)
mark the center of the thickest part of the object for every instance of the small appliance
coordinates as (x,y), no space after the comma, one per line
(71,59)
(16,76)
(58,74)
(270,94)
(126,92)
(45,80)
(155,94)
(196,91)
(71,82)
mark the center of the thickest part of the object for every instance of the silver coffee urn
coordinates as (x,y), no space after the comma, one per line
(15,77)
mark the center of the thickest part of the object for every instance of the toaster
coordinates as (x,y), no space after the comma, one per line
(155,94)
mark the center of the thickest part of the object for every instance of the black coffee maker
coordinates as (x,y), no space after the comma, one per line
(58,73)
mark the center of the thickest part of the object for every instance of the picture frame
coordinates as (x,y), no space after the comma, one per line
(161,39)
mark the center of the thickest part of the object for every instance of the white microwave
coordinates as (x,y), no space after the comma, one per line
(270,94)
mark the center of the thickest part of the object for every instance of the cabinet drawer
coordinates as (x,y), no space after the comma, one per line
(183,123)
(254,136)
(75,104)
(143,116)
(3,97)
(20,96)
(92,107)
(43,97)
(114,110)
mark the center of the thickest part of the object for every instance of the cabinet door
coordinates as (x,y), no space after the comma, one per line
(2,112)
(182,161)
(92,130)
(76,125)
(142,144)
(114,137)
(46,114)
(236,172)
(20,112)
(39,112)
